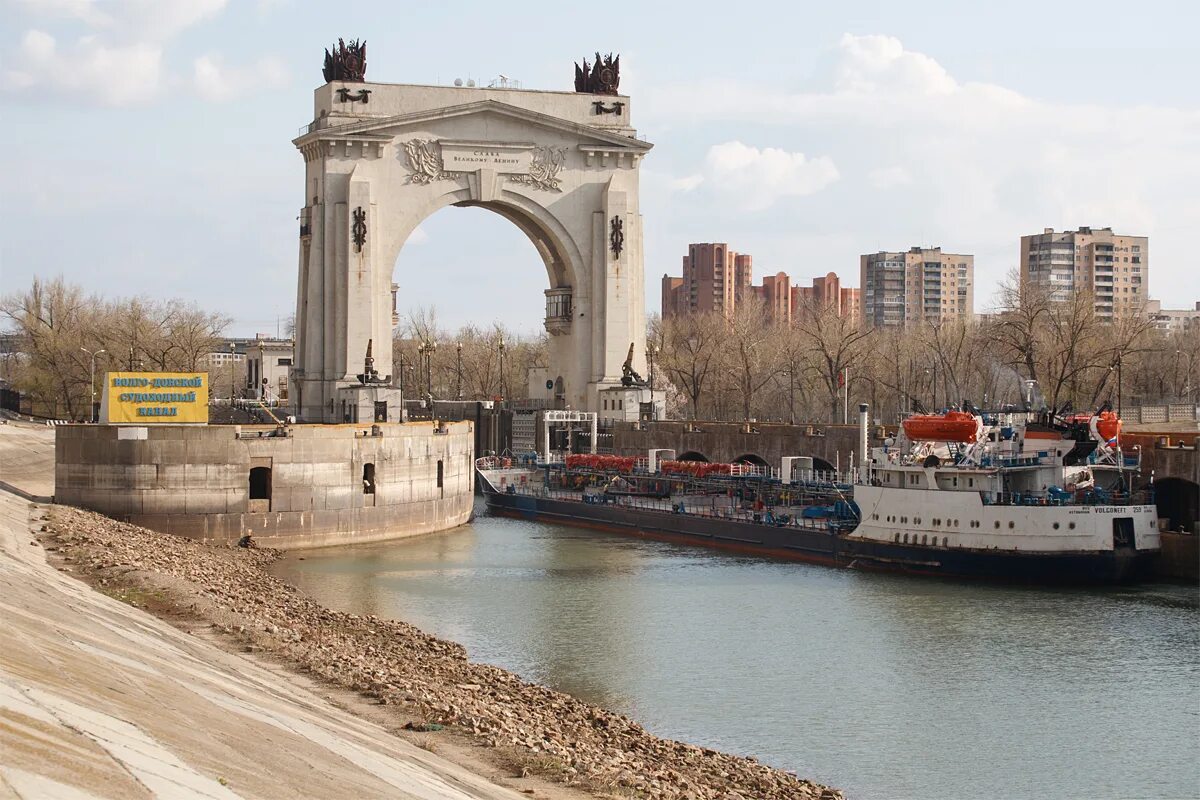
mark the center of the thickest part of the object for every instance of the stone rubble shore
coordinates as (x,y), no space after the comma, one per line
(566,739)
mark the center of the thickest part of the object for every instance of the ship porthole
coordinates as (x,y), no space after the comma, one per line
(1071,525)
(1056,526)
(997,523)
(1011,524)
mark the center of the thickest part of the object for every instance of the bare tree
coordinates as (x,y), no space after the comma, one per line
(691,345)
(835,342)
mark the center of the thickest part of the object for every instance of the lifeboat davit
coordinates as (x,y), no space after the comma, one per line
(953,426)
(1108,426)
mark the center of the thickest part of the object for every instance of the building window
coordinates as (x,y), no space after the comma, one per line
(441,475)
(368,479)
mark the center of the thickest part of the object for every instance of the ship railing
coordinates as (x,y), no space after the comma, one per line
(1061,497)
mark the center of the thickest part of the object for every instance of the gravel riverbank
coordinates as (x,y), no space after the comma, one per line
(423,677)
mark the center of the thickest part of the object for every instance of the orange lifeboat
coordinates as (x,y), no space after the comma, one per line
(953,426)
(1108,425)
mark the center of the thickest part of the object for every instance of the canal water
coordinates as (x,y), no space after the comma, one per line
(887,687)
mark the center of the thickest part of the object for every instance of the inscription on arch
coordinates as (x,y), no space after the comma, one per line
(533,165)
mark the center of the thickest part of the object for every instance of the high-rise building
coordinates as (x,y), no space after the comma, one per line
(1114,268)
(826,291)
(714,279)
(920,285)
(776,295)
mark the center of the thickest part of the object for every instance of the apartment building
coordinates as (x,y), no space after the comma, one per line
(714,279)
(923,284)
(1114,268)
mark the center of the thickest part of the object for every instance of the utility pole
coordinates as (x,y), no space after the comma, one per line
(92,381)
(232,372)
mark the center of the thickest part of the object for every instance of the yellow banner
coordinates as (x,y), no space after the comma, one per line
(143,398)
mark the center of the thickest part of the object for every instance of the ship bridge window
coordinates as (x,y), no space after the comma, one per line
(956,480)
(970,481)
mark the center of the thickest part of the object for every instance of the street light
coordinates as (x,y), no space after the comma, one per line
(503,386)
(458,372)
(232,372)
(92,380)
(652,351)
(428,348)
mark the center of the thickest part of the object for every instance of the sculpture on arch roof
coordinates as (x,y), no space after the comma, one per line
(601,77)
(346,62)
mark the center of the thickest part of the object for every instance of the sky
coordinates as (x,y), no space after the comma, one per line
(145,145)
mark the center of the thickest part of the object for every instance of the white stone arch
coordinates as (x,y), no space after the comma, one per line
(558,165)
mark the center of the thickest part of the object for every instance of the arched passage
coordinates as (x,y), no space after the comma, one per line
(1178,500)
(564,174)
(692,455)
(751,458)
(474,267)
(821,465)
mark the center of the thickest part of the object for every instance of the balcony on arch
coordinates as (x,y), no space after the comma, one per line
(558,310)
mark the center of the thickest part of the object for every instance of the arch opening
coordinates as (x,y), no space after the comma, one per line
(753,459)
(471,262)
(692,455)
(821,465)
(1178,501)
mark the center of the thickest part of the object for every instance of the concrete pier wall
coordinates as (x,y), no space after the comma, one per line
(316,485)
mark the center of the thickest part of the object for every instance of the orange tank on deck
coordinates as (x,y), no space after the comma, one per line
(1108,425)
(953,426)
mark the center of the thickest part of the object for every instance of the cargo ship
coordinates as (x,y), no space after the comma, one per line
(1013,496)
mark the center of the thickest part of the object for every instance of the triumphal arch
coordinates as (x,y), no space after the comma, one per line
(380,158)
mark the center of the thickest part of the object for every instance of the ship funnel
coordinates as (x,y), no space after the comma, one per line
(863,423)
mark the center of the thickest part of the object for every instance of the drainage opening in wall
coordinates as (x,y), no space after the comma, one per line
(441,475)
(260,489)
(368,479)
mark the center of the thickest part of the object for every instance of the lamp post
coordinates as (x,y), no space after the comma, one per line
(458,371)
(232,371)
(92,381)
(651,351)
(503,388)
(430,348)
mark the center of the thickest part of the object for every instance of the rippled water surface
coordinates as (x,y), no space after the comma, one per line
(887,687)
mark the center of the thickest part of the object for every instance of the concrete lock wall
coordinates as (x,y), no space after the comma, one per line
(195,481)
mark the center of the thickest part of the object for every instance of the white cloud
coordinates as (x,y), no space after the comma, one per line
(113,75)
(217,82)
(942,160)
(872,64)
(754,179)
(118,62)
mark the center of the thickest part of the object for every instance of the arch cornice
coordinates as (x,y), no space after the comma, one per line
(369,131)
